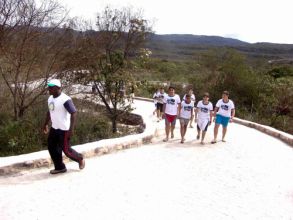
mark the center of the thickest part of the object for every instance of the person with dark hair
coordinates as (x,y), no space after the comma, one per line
(204,112)
(62,114)
(224,113)
(193,100)
(186,113)
(171,109)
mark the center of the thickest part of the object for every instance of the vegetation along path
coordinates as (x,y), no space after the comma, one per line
(248,177)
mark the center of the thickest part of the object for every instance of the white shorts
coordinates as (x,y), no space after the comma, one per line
(202,123)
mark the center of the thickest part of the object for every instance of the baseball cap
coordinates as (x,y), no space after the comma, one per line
(54,82)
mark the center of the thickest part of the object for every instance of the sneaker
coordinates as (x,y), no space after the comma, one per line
(81,164)
(58,171)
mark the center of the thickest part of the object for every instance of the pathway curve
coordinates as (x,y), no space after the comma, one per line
(248,177)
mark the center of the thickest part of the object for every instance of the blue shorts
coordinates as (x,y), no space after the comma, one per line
(222,120)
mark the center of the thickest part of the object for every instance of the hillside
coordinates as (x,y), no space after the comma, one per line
(185,46)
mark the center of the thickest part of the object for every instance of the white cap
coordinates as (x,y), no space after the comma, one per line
(54,82)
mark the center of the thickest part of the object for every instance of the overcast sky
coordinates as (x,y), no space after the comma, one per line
(247,20)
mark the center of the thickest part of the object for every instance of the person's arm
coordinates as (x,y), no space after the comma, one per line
(211,116)
(232,114)
(69,106)
(178,108)
(192,112)
(215,112)
(47,120)
(72,123)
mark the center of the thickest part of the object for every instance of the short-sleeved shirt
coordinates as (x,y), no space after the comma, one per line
(155,97)
(225,108)
(60,109)
(171,104)
(186,110)
(203,110)
(160,97)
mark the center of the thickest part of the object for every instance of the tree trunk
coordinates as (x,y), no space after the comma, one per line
(114,124)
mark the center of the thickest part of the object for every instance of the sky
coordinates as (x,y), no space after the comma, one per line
(247,20)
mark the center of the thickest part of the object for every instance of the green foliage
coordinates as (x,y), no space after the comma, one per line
(91,128)
(282,71)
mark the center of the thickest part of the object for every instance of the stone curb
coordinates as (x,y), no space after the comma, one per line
(285,137)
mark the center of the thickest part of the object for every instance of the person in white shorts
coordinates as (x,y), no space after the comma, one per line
(155,101)
(193,100)
(160,103)
(224,113)
(204,112)
(171,109)
(186,113)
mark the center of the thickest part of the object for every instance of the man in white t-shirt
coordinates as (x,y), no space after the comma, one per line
(204,112)
(186,113)
(224,113)
(193,100)
(61,113)
(171,109)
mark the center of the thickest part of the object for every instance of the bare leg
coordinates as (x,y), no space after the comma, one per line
(182,131)
(202,136)
(167,130)
(198,133)
(158,113)
(216,129)
(172,130)
(224,133)
(191,120)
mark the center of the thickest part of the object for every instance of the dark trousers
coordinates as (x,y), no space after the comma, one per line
(58,141)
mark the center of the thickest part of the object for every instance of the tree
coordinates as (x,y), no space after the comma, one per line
(106,53)
(33,44)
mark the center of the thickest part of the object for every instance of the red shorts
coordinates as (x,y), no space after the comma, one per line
(170,118)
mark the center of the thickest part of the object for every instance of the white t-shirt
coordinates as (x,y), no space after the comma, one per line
(155,97)
(160,97)
(186,110)
(171,104)
(203,111)
(60,117)
(225,108)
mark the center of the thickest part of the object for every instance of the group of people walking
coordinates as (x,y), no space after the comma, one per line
(170,107)
(62,113)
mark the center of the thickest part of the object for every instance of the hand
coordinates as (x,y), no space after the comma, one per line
(45,129)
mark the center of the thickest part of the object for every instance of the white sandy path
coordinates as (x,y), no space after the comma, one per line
(249,177)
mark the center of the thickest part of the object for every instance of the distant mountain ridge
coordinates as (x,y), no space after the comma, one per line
(179,46)
(199,39)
